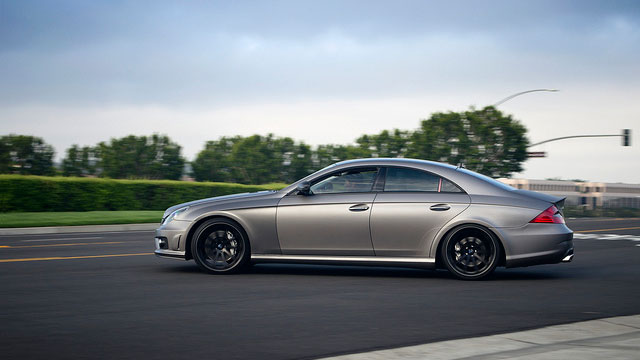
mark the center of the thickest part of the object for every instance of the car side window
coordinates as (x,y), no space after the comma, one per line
(448,186)
(403,179)
(358,180)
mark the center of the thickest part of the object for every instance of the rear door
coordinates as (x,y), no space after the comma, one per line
(413,207)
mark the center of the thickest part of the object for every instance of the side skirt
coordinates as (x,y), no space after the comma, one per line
(346,260)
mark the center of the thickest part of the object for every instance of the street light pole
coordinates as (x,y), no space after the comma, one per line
(522,93)
(626,138)
(626,141)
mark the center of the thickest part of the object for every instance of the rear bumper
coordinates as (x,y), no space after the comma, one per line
(564,253)
(537,244)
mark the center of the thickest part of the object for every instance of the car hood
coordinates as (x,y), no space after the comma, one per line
(220,199)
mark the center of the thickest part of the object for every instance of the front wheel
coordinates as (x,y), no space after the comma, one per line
(220,246)
(470,252)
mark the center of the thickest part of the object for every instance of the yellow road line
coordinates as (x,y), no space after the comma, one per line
(65,239)
(70,257)
(598,230)
(53,245)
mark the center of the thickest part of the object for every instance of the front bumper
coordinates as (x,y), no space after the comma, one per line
(170,240)
(171,254)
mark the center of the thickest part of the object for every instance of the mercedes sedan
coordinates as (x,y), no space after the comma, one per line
(393,212)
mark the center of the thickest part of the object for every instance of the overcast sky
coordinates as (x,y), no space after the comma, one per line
(81,72)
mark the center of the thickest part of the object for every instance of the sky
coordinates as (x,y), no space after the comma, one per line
(81,72)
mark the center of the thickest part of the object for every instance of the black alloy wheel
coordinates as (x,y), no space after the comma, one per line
(220,246)
(470,252)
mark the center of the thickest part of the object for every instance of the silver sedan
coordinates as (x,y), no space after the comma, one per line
(395,212)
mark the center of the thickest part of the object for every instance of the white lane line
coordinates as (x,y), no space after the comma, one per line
(607,237)
(65,239)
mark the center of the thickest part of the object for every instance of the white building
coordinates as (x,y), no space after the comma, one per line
(587,194)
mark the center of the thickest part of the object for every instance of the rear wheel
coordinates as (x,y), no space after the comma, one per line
(220,246)
(470,252)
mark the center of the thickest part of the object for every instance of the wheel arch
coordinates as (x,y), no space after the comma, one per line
(445,231)
(196,224)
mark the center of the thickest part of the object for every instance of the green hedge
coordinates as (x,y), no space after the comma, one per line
(42,193)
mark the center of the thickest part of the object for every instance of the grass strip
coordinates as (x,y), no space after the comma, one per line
(37,219)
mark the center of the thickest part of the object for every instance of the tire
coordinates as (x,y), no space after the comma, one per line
(220,246)
(470,252)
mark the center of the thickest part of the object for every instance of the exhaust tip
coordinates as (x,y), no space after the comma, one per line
(568,256)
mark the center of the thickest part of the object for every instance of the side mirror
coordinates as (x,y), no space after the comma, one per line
(304,188)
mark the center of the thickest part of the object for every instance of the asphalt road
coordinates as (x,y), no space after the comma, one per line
(65,296)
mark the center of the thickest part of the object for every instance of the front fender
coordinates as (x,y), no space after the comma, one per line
(258,223)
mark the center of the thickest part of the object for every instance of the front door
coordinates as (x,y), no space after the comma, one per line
(333,219)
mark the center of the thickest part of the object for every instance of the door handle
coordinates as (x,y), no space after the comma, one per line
(359,207)
(440,207)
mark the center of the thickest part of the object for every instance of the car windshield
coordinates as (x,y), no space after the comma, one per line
(314,173)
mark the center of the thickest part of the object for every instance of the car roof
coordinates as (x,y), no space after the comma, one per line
(394,162)
(470,182)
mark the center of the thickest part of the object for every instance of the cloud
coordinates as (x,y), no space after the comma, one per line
(77,71)
(211,53)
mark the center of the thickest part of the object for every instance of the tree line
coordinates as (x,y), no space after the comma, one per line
(485,140)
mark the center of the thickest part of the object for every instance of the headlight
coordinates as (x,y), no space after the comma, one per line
(172,216)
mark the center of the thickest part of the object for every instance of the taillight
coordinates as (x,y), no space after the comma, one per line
(549,216)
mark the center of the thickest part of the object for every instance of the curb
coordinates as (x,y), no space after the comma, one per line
(608,338)
(78,229)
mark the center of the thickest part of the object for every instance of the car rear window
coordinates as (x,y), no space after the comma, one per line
(487,179)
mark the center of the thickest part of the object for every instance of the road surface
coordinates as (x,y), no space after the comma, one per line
(103,295)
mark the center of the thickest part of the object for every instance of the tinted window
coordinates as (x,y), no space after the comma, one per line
(403,179)
(359,180)
(448,186)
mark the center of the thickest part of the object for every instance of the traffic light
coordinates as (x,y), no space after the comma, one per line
(626,137)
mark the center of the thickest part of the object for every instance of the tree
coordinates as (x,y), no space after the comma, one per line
(297,162)
(5,156)
(326,155)
(253,160)
(214,162)
(153,157)
(79,161)
(484,140)
(386,144)
(26,155)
